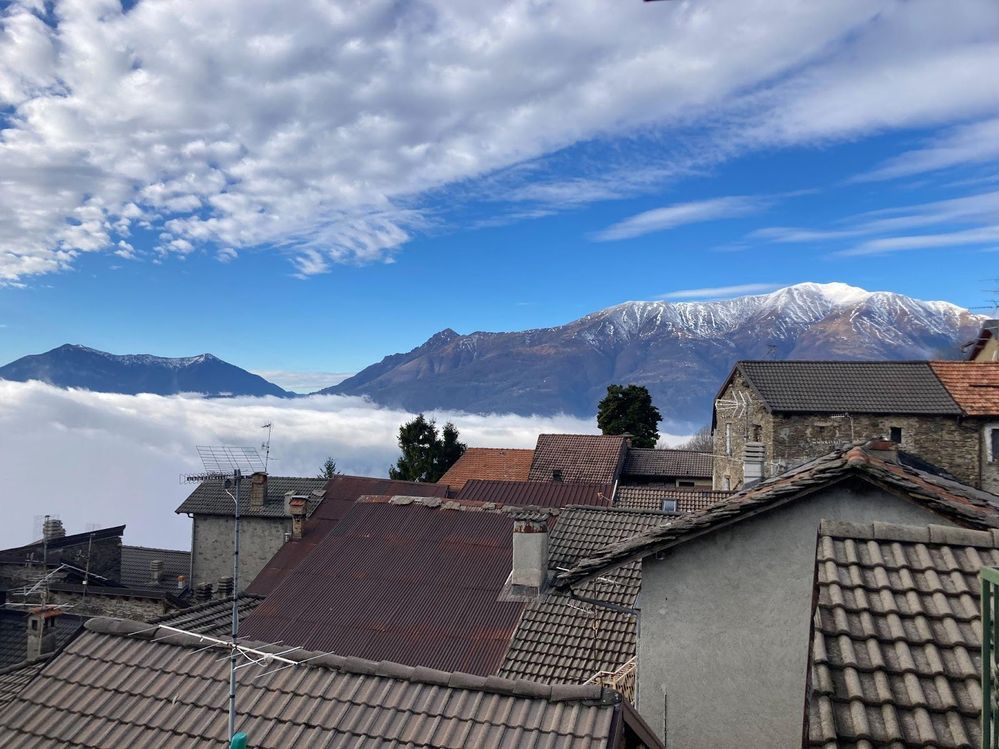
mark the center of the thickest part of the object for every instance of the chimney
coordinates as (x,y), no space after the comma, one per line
(155,571)
(297,506)
(752,463)
(884,449)
(41,631)
(181,582)
(530,556)
(52,528)
(224,588)
(258,490)
(203,592)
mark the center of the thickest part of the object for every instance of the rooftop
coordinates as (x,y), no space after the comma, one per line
(654,462)
(874,387)
(593,458)
(537,493)
(651,497)
(974,385)
(210,498)
(490,463)
(128,684)
(896,636)
(135,568)
(211,617)
(958,502)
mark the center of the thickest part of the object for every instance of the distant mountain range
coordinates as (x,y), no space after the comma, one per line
(81,367)
(681,351)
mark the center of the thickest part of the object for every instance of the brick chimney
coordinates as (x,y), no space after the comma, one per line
(41,631)
(258,490)
(296,508)
(155,571)
(530,556)
(752,463)
(884,449)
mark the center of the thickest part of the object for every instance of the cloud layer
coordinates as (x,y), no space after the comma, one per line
(109,459)
(319,128)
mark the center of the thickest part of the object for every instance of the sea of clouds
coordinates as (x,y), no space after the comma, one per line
(103,459)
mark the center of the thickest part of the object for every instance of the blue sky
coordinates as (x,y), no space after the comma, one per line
(292,209)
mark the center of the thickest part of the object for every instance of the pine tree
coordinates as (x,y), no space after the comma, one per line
(426,455)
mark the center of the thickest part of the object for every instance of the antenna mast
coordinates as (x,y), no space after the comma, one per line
(226,465)
(267,445)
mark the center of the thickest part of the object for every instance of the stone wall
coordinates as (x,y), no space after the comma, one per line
(259,540)
(746,419)
(123,607)
(990,459)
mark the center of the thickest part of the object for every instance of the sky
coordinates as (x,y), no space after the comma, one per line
(304,188)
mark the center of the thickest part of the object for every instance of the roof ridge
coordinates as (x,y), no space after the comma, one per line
(461,505)
(931,533)
(154,548)
(350,664)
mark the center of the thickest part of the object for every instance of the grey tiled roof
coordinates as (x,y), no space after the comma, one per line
(895,647)
(879,387)
(564,641)
(593,458)
(124,684)
(14,634)
(642,461)
(210,497)
(15,678)
(212,618)
(135,566)
(650,497)
(958,502)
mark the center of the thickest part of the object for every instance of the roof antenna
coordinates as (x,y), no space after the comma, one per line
(266,447)
(226,465)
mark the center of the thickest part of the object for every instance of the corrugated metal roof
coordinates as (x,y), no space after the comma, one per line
(897,636)
(209,498)
(126,684)
(341,493)
(538,493)
(409,583)
(665,463)
(872,387)
(490,463)
(594,458)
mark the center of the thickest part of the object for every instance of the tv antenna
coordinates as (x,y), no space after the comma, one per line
(226,465)
(266,447)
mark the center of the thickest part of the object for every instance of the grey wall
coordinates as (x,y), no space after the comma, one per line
(723,649)
(211,552)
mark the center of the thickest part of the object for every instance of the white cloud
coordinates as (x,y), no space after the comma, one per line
(721,292)
(968,144)
(111,459)
(988,235)
(671,216)
(303,382)
(320,127)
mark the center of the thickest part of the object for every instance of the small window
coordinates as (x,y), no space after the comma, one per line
(728,439)
(669,505)
(757,433)
(895,435)
(994,445)
(686,484)
(727,483)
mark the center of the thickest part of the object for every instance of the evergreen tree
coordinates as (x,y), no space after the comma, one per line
(628,409)
(328,470)
(426,455)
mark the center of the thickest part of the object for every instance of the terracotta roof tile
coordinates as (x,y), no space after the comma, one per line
(974,385)
(591,458)
(490,463)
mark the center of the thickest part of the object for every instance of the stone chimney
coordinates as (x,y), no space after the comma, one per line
(41,631)
(752,463)
(203,592)
(297,507)
(52,528)
(258,490)
(884,449)
(530,556)
(155,571)
(224,588)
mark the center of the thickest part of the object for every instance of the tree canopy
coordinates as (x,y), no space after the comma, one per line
(426,453)
(628,409)
(700,441)
(328,470)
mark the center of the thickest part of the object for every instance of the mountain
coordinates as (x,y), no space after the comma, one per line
(681,351)
(82,367)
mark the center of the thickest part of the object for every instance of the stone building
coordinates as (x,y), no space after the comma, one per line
(772,415)
(265,524)
(985,348)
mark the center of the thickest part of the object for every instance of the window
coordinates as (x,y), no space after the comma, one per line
(669,505)
(686,484)
(757,433)
(728,439)
(994,445)
(727,483)
(895,435)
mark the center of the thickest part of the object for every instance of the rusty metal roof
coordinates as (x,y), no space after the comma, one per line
(341,493)
(538,493)
(415,584)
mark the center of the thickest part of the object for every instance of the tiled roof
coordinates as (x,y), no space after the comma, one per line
(15,678)
(594,458)
(492,463)
(135,561)
(641,461)
(213,617)
(209,498)
(650,497)
(14,634)
(126,684)
(564,641)
(55,546)
(341,493)
(974,385)
(878,387)
(896,639)
(538,493)
(958,502)
(410,583)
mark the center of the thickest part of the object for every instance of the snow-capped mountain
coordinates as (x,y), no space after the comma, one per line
(82,367)
(681,351)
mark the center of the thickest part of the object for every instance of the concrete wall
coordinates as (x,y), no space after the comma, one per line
(723,650)
(211,557)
